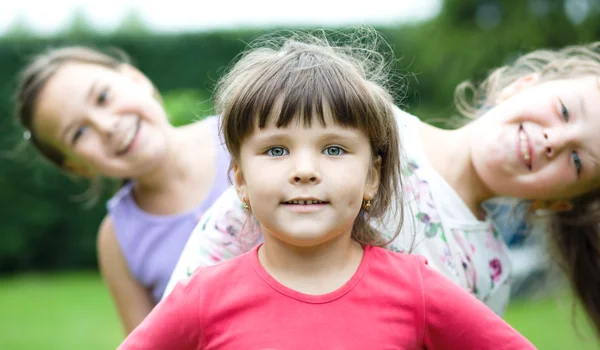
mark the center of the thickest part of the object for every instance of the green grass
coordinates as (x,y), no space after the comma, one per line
(74,311)
(47,312)
(552,324)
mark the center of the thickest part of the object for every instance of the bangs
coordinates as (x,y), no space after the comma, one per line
(299,90)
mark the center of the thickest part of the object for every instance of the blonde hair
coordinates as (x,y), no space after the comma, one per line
(568,63)
(574,235)
(289,77)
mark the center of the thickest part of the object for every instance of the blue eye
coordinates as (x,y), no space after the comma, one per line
(564,111)
(277,152)
(333,151)
(577,162)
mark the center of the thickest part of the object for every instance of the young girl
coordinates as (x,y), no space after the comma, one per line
(533,137)
(94,115)
(314,148)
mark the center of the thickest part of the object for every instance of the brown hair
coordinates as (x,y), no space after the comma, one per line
(575,241)
(307,73)
(34,77)
(574,235)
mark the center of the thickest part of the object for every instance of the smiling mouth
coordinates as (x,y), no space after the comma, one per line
(305,202)
(524,148)
(130,138)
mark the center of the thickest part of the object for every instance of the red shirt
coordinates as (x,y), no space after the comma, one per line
(393,301)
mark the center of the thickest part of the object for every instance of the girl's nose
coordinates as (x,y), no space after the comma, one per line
(305,170)
(556,141)
(105,123)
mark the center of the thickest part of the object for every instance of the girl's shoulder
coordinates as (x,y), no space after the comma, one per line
(404,118)
(411,144)
(395,263)
(122,193)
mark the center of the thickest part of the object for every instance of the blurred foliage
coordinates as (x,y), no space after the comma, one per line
(45,224)
(185,106)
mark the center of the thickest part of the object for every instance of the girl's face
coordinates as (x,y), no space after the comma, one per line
(306,185)
(106,122)
(542,141)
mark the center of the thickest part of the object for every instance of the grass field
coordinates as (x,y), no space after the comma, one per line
(74,311)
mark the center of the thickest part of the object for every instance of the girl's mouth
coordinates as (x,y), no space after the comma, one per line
(305,205)
(305,202)
(525,148)
(129,139)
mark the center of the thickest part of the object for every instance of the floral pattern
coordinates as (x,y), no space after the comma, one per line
(471,253)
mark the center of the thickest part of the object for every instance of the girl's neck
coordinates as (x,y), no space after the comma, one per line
(181,161)
(311,270)
(449,153)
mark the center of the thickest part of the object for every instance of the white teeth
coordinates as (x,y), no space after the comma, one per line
(524,146)
(128,139)
(306,202)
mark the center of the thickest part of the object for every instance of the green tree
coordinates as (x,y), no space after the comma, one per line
(19,28)
(132,24)
(78,27)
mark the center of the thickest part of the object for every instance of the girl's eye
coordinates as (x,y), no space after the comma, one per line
(576,162)
(564,111)
(276,151)
(102,97)
(78,133)
(333,151)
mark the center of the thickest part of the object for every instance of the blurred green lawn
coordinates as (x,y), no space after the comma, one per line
(74,311)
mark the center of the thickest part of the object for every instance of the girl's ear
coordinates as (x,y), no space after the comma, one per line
(240,183)
(373,179)
(137,76)
(517,86)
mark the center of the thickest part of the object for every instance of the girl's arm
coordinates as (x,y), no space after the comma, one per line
(174,323)
(133,301)
(455,319)
(224,231)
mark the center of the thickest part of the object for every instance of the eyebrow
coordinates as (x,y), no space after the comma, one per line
(91,90)
(328,136)
(338,135)
(584,116)
(595,162)
(582,108)
(63,135)
(595,159)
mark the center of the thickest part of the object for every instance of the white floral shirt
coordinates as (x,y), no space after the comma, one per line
(439,225)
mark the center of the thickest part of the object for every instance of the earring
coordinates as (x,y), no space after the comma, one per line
(245,206)
(367,204)
(561,206)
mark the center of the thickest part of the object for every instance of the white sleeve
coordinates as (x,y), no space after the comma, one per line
(225,230)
